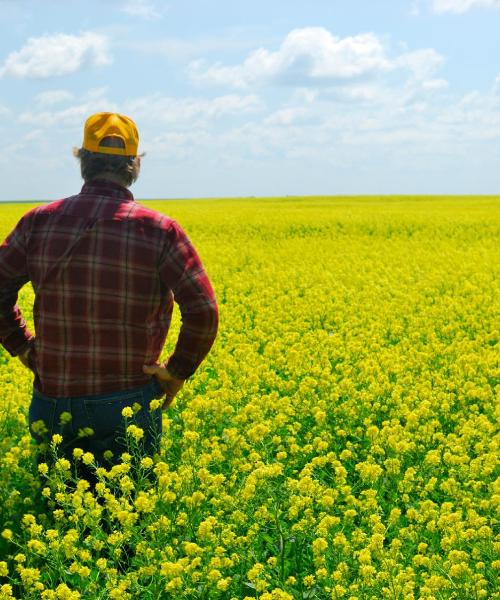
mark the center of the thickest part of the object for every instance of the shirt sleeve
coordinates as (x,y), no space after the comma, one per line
(182,271)
(14,335)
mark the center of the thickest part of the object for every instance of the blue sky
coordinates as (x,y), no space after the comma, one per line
(237,98)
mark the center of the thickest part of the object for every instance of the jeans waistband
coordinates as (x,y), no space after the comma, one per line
(152,385)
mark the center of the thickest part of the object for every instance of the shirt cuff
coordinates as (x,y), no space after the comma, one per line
(18,342)
(177,370)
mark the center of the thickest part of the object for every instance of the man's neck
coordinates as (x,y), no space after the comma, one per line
(111,177)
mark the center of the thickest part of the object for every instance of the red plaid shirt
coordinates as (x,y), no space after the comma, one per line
(103,315)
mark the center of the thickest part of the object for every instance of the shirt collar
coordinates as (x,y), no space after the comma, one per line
(104,187)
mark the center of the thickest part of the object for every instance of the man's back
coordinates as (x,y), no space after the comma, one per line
(104,300)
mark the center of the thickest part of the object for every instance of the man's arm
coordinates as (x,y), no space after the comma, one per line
(182,271)
(14,335)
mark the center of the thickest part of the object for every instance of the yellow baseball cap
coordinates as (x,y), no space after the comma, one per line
(104,125)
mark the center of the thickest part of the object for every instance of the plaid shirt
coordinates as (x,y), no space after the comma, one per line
(106,312)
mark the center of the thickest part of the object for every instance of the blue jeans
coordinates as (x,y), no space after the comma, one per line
(95,424)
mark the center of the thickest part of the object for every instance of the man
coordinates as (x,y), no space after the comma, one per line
(105,271)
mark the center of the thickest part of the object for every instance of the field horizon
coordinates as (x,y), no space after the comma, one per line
(287,196)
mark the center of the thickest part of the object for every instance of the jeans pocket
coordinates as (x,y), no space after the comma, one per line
(157,389)
(109,425)
(105,416)
(41,418)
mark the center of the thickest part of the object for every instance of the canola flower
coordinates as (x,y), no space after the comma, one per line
(339,442)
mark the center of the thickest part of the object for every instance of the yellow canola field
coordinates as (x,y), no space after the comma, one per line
(339,442)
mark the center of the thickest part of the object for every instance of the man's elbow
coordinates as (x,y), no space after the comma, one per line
(203,320)
(214,319)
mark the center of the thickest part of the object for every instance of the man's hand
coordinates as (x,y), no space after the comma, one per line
(169,384)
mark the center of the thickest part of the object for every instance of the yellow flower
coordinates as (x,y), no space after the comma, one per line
(136,432)
(254,573)
(63,464)
(43,468)
(154,404)
(214,575)
(319,546)
(39,427)
(88,458)
(64,418)
(127,412)
(85,432)
(223,584)
(147,462)
(6,591)
(36,546)
(101,564)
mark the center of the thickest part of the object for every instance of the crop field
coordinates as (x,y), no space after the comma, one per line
(340,441)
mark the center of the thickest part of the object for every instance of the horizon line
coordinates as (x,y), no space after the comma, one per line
(298,196)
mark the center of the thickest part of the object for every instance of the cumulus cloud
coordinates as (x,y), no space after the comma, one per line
(288,116)
(307,55)
(58,54)
(179,111)
(71,117)
(314,57)
(142,9)
(421,63)
(155,111)
(398,127)
(462,6)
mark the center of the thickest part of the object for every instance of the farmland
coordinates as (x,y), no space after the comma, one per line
(340,441)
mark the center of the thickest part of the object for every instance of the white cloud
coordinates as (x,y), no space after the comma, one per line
(58,54)
(187,111)
(287,116)
(72,117)
(67,117)
(435,84)
(308,55)
(411,123)
(462,6)
(182,127)
(52,97)
(177,144)
(142,9)
(162,120)
(314,57)
(397,129)
(421,63)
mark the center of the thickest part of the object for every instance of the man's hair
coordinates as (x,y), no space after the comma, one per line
(95,164)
